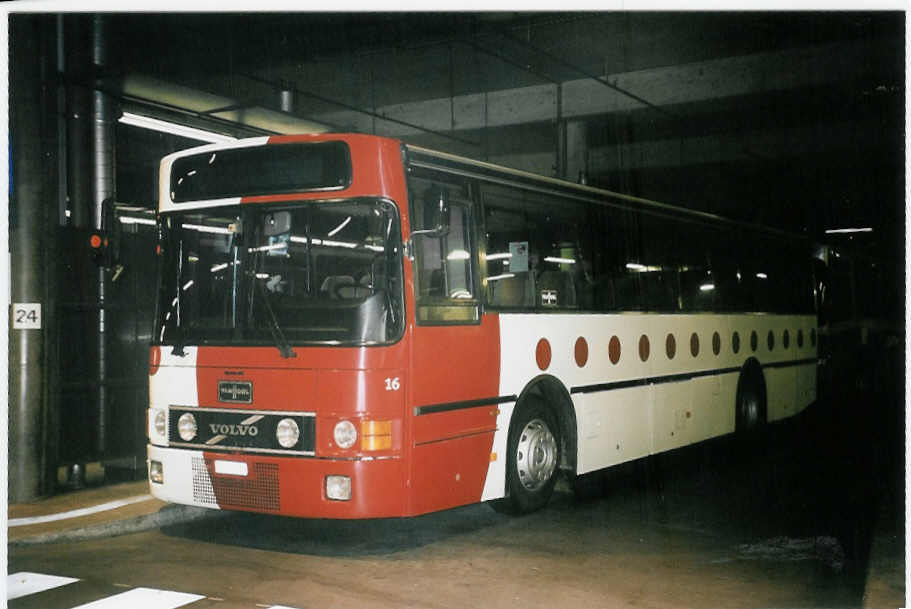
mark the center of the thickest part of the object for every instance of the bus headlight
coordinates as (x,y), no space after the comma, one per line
(160,420)
(186,426)
(287,433)
(345,434)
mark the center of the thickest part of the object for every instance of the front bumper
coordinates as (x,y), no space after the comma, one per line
(287,486)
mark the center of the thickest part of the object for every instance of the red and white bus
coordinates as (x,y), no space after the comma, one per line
(349,327)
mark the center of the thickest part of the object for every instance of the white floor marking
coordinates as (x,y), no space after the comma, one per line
(143,598)
(111,505)
(25,583)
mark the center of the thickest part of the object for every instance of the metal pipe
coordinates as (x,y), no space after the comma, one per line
(34,180)
(103,124)
(287,101)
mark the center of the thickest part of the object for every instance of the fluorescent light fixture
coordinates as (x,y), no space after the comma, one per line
(132,220)
(339,227)
(458,255)
(215,230)
(560,260)
(219,267)
(187,285)
(499,277)
(504,256)
(707,287)
(762,276)
(268,248)
(846,231)
(635,266)
(154,124)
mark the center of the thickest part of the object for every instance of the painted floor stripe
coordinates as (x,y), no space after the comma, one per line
(25,583)
(144,598)
(103,507)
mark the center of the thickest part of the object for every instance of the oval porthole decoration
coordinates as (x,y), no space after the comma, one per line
(644,348)
(786,339)
(581,352)
(613,349)
(670,346)
(771,340)
(800,339)
(716,343)
(542,354)
(694,344)
(754,340)
(735,342)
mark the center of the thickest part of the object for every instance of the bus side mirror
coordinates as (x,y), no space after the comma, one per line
(821,282)
(436,214)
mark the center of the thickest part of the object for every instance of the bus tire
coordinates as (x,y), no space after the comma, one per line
(751,406)
(532,457)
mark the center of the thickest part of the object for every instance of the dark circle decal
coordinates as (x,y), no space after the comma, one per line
(735,342)
(771,340)
(694,344)
(613,349)
(670,345)
(754,340)
(786,339)
(581,352)
(716,343)
(800,338)
(644,348)
(542,354)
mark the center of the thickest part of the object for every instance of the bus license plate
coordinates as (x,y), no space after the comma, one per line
(235,468)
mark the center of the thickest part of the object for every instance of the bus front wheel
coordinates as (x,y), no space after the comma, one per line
(532,458)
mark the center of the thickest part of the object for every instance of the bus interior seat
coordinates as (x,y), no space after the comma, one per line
(339,286)
(515,291)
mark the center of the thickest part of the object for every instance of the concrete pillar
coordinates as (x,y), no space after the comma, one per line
(33,220)
(576,151)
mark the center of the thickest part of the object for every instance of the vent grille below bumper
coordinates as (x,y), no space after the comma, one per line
(260,490)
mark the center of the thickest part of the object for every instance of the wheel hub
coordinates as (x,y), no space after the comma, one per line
(536,455)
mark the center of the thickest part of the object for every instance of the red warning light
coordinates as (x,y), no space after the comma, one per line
(95,241)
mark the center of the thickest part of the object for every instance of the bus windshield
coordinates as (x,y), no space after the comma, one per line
(281,275)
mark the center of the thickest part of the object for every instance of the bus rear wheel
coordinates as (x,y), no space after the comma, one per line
(751,408)
(533,457)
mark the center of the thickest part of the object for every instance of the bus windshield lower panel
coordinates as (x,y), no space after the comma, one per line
(289,274)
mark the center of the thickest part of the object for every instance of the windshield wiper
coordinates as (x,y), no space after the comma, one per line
(278,337)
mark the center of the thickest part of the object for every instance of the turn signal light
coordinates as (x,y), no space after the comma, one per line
(376,435)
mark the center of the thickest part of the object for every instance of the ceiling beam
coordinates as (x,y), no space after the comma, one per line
(853,63)
(808,141)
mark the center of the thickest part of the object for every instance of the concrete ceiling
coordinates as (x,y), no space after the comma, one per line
(791,119)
